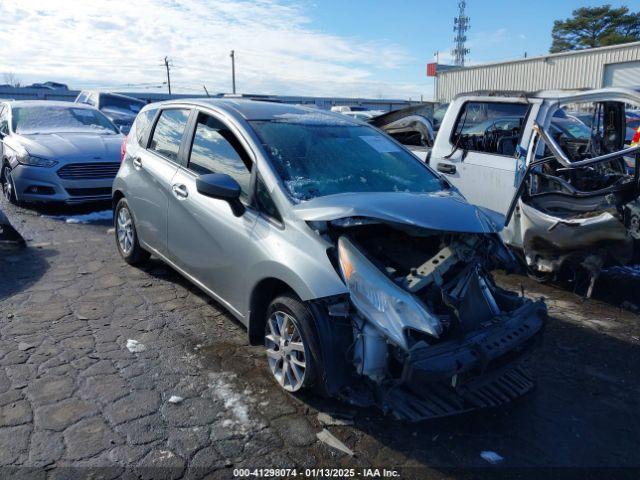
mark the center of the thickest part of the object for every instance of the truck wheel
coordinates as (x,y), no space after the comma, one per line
(126,237)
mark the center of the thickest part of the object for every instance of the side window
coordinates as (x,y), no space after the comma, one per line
(490,127)
(142,124)
(168,132)
(216,150)
(264,202)
(82,98)
(4,120)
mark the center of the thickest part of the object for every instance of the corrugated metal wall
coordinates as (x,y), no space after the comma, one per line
(584,69)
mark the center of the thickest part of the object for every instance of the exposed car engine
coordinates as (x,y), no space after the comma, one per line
(428,319)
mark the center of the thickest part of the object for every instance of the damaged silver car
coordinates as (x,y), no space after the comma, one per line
(568,190)
(366,275)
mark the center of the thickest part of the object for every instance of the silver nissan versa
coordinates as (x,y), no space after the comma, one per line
(364,273)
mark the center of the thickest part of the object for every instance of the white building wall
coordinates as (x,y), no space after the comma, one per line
(578,69)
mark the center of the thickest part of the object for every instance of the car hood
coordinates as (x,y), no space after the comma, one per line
(73,145)
(445,211)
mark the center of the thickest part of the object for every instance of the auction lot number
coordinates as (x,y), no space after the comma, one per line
(315,472)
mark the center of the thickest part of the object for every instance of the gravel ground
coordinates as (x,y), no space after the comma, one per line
(74,398)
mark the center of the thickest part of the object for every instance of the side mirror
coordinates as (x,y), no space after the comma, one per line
(222,187)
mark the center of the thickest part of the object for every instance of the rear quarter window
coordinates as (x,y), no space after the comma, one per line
(142,125)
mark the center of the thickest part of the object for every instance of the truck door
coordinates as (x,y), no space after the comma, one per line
(477,154)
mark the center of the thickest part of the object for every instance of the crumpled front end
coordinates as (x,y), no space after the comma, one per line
(433,335)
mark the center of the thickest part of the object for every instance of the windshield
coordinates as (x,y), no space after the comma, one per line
(129,104)
(493,124)
(572,128)
(45,119)
(327,156)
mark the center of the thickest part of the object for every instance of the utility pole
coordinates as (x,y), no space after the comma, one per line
(233,70)
(166,64)
(460,27)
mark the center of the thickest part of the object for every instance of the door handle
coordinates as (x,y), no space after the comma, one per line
(446,168)
(180,190)
(137,162)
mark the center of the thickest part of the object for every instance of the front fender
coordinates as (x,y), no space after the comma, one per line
(312,281)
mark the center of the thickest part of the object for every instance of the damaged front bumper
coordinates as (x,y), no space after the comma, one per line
(482,369)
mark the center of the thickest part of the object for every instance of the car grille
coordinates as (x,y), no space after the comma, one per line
(88,192)
(85,171)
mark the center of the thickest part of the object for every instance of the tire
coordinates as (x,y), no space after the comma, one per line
(8,187)
(126,236)
(288,313)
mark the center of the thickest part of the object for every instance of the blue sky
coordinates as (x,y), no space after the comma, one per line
(500,29)
(368,48)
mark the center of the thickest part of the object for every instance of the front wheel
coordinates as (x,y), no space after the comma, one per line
(8,187)
(126,236)
(288,340)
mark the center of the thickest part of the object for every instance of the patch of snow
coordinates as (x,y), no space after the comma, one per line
(328,419)
(175,399)
(165,455)
(93,217)
(232,400)
(135,346)
(314,118)
(492,457)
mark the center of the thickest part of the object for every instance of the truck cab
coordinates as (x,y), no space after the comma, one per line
(567,190)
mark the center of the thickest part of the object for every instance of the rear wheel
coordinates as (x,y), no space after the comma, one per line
(288,339)
(8,187)
(126,237)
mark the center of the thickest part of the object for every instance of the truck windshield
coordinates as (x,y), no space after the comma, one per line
(131,105)
(316,155)
(50,119)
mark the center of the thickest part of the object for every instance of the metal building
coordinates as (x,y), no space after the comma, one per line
(618,65)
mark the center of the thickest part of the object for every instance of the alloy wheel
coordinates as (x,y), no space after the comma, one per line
(124,230)
(286,351)
(7,184)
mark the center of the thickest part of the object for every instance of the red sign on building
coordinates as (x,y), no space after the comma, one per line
(432,69)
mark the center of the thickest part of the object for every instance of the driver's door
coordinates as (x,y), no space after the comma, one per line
(482,174)
(206,239)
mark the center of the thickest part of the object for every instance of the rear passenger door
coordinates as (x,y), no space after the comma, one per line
(483,141)
(205,239)
(153,169)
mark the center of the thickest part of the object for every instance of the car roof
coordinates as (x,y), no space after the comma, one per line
(47,103)
(257,110)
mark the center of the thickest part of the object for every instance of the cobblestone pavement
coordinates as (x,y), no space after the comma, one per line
(73,395)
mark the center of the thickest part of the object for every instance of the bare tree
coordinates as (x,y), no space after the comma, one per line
(11,78)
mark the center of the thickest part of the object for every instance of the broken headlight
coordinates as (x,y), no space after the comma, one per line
(380,300)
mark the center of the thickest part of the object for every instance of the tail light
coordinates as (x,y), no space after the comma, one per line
(636,138)
(123,148)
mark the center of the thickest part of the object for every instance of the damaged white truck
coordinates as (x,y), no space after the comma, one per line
(568,190)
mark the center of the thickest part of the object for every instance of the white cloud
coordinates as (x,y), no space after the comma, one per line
(122,42)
